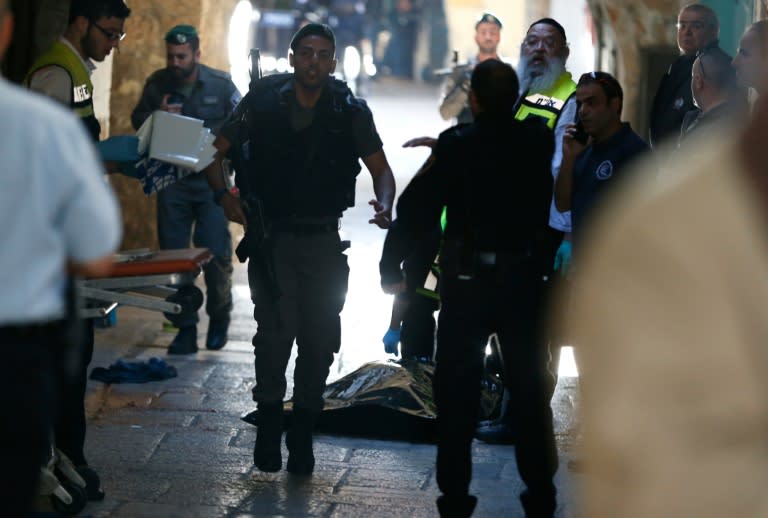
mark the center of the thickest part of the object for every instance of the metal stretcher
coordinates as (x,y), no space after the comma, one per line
(162,280)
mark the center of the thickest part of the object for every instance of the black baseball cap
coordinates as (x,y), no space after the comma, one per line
(314,29)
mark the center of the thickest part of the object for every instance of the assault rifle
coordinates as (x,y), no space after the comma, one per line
(256,245)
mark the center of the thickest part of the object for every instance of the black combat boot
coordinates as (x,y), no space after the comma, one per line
(298,439)
(456,506)
(541,504)
(266,452)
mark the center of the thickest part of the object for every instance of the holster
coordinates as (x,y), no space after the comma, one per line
(260,253)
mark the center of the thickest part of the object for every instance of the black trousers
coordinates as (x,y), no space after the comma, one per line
(417,333)
(554,282)
(26,409)
(312,274)
(72,377)
(508,303)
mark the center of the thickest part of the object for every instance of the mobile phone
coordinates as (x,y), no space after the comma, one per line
(175,98)
(581,136)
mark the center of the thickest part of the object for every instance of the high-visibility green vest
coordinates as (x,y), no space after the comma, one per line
(431,288)
(82,89)
(547,104)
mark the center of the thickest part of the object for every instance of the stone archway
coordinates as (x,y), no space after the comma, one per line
(648,37)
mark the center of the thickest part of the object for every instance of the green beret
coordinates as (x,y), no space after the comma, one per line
(488,18)
(181,34)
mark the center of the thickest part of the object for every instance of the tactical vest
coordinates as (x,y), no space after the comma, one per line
(307,173)
(547,104)
(82,89)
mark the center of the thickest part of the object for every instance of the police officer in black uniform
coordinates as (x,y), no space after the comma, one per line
(417,333)
(296,140)
(494,178)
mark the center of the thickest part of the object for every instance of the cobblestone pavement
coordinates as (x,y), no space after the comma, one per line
(178,448)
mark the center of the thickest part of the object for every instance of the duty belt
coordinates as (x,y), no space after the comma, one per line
(304,228)
(490,258)
(31,331)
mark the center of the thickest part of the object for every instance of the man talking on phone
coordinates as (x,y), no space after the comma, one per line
(590,168)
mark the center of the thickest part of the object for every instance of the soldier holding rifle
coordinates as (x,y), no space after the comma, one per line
(296,140)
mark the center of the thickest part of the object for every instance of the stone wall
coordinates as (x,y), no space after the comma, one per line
(141,53)
(649,24)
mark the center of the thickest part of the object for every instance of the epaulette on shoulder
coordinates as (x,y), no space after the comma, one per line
(337,86)
(456,131)
(271,81)
(159,74)
(340,90)
(220,74)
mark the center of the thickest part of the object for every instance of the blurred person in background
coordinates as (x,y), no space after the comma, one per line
(434,21)
(716,95)
(697,28)
(399,55)
(455,89)
(752,58)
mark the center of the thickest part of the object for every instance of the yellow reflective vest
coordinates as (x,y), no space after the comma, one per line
(547,104)
(82,88)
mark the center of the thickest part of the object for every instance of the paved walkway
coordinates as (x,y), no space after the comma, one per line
(178,448)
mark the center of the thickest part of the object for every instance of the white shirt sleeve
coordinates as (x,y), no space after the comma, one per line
(567,116)
(561,220)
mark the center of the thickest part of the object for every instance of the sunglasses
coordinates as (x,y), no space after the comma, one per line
(609,84)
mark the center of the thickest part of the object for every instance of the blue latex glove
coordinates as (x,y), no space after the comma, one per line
(391,339)
(563,258)
(121,148)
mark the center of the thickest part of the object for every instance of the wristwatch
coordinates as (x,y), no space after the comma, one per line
(217,195)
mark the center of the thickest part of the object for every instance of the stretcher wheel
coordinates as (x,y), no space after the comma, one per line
(79,499)
(493,365)
(190,298)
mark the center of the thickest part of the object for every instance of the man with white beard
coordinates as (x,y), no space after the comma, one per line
(547,91)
